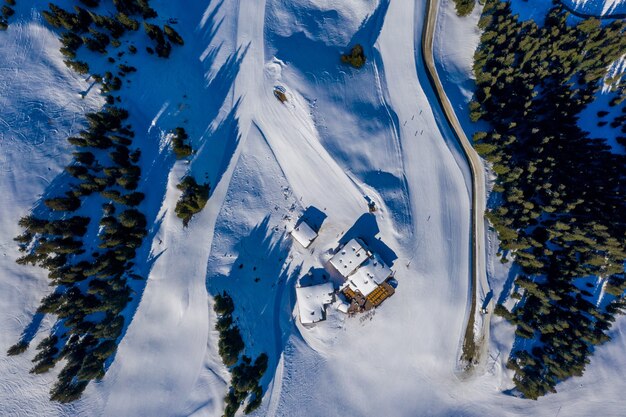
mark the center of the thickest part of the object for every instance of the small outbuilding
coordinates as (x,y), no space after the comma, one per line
(312,302)
(303,233)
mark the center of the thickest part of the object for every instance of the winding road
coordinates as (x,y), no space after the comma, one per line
(474,347)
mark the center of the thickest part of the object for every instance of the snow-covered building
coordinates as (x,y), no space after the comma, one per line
(365,275)
(312,302)
(370,275)
(304,234)
(350,257)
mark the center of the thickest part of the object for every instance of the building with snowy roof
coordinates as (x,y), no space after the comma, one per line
(312,302)
(370,275)
(303,233)
(350,257)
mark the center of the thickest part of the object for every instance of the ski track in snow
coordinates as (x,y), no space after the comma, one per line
(342,134)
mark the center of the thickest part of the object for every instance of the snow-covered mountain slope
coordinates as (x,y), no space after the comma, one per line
(598,7)
(343,135)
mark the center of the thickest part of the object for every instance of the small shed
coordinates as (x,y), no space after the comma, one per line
(312,302)
(303,233)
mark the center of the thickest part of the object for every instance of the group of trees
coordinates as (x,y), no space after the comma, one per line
(464,7)
(97,32)
(91,284)
(163,39)
(195,196)
(245,375)
(356,57)
(91,288)
(181,148)
(192,200)
(562,193)
(6,12)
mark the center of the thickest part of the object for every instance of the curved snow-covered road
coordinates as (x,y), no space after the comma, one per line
(480,286)
(435,172)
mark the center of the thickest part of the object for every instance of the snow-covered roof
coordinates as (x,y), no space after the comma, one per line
(349,257)
(376,269)
(312,301)
(372,273)
(304,234)
(362,282)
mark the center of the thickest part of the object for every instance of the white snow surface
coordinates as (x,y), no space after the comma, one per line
(342,135)
(598,7)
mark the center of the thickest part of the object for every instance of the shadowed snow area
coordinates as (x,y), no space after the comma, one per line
(342,138)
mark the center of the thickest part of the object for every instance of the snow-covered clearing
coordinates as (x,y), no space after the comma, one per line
(342,135)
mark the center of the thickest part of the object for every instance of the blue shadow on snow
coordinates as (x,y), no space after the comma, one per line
(260,284)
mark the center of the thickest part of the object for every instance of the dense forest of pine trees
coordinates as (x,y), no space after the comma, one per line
(91,286)
(562,193)
(245,374)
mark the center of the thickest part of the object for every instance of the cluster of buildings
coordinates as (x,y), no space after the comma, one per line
(366,279)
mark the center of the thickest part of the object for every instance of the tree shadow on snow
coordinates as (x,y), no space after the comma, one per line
(370,28)
(259,283)
(31,330)
(508,284)
(221,83)
(214,156)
